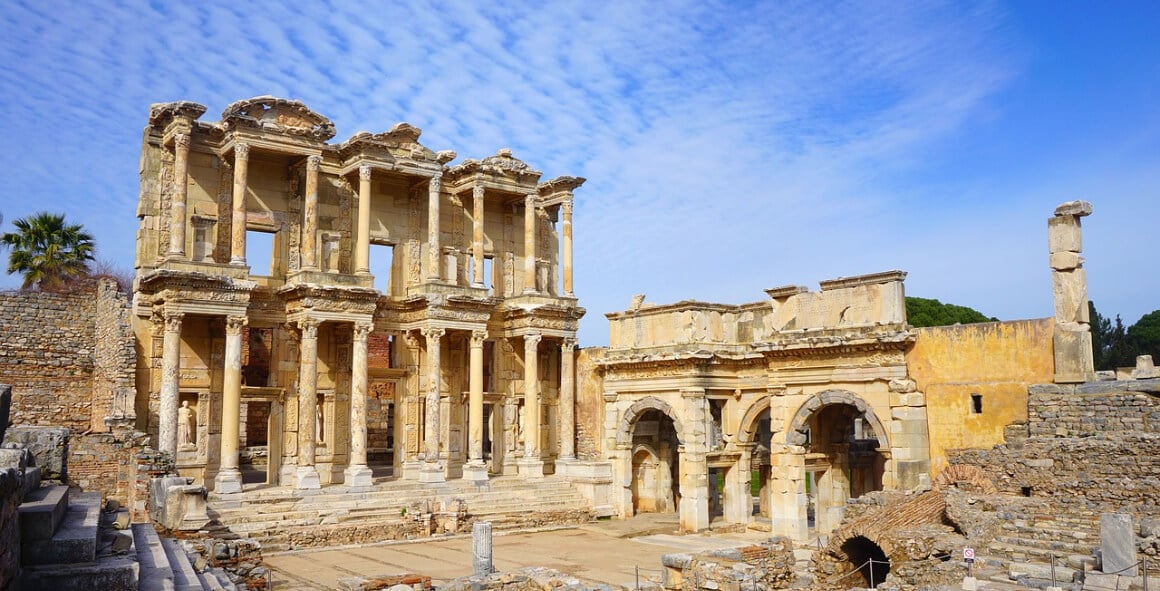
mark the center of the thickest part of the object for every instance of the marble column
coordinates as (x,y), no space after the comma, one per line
(432,470)
(435,251)
(567,401)
(229,478)
(238,215)
(362,251)
(530,243)
(477,233)
(357,473)
(309,245)
(170,370)
(177,218)
(531,466)
(475,468)
(566,237)
(307,474)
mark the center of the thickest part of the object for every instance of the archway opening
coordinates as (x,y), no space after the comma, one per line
(868,558)
(760,466)
(655,464)
(843,458)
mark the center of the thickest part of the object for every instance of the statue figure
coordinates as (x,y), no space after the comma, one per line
(510,426)
(520,436)
(186,425)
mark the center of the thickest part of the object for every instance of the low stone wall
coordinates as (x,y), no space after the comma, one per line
(105,462)
(1096,408)
(11,495)
(758,567)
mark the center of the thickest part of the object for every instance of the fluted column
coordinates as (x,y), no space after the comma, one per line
(475,468)
(238,214)
(530,243)
(531,465)
(435,250)
(170,370)
(357,473)
(309,246)
(432,471)
(307,474)
(566,232)
(567,400)
(177,218)
(477,233)
(229,478)
(362,251)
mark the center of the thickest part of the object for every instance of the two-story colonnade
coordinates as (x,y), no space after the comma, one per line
(416,317)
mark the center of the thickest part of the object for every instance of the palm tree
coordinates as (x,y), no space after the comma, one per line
(47,251)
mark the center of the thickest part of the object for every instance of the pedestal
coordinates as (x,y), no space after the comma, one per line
(531,467)
(357,476)
(228,481)
(306,477)
(432,473)
(476,472)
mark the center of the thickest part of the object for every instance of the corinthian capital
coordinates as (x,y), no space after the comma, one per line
(234,325)
(478,337)
(433,334)
(568,344)
(309,328)
(181,141)
(362,330)
(312,163)
(531,341)
(173,321)
(241,151)
(364,172)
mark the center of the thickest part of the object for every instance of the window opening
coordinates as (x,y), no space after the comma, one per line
(976,404)
(260,252)
(382,261)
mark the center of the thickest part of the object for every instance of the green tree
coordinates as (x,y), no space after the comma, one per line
(1119,349)
(47,251)
(928,312)
(1101,328)
(1145,335)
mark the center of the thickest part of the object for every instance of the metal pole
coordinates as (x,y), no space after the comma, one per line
(1144,563)
(1053,570)
(637,569)
(871,561)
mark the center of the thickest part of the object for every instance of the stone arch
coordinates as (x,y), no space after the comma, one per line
(972,475)
(630,416)
(748,425)
(796,435)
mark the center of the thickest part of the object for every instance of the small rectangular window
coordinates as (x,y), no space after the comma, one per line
(260,252)
(976,404)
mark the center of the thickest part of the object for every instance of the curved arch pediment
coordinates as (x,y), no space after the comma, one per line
(796,435)
(632,414)
(284,115)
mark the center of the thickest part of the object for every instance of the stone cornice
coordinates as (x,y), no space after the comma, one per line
(284,116)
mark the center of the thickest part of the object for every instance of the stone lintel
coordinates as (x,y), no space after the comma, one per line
(785,291)
(857,280)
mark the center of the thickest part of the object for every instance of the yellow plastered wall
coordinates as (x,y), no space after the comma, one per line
(996,360)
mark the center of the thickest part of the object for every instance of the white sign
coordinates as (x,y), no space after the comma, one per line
(968,553)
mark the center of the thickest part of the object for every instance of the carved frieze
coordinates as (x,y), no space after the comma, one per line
(285,116)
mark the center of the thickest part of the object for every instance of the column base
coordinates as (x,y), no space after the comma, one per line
(432,473)
(531,467)
(306,478)
(475,471)
(227,481)
(564,466)
(357,476)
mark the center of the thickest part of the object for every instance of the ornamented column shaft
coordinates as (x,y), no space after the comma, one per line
(435,251)
(566,231)
(567,399)
(434,371)
(531,396)
(358,474)
(170,370)
(177,219)
(307,474)
(238,215)
(310,215)
(477,233)
(362,251)
(530,243)
(229,479)
(475,398)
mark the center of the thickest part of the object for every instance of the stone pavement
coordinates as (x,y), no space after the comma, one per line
(606,552)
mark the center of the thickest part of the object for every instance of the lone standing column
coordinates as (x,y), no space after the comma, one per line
(177,219)
(531,466)
(310,215)
(307,475)
(566,232)
(475,468)
(170,369)
(358,474)
(432,471)
(238,214)
(433,197)
(229,478)
(362,251)
(477,233)
(567,401)
(530,243)
(481,549)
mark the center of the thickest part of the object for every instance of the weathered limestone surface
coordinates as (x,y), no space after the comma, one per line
(1072,338)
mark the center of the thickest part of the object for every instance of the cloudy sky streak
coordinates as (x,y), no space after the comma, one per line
(729,146)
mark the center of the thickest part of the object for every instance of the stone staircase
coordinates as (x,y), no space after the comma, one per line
(68,543)
(1023,550)
(283,518)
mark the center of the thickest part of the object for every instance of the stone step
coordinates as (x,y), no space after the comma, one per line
(42,511)
(1061,533)
(112,573)
(155,573)
(1059,547)
(333,493)
(75,539)
(184,576)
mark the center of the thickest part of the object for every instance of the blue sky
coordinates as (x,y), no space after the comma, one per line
(729,146)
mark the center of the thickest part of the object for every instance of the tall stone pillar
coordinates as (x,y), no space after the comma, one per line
(170,370)
(789,502)
(362,251)
(435,252)
(1072,336)
(475,468)
(177,218)
(309,245)
(357,473)
(530,243)
(229,478)
(307,474)
(694,506)
(238,214)
(477,233)
(432,470)
(531,465)
(566,237)
(568,401)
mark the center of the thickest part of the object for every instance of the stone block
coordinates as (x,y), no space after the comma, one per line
(1118,544)
(1075,208)
(1073,356)
(41,512)
(1069,292)
(48,445)
(114,573)
(1145,368)
(74,541)
(1063,234)
(1065,261)
(907,414)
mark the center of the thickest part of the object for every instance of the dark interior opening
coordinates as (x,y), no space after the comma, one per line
(977,404)
(1026,490)
(868,558)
